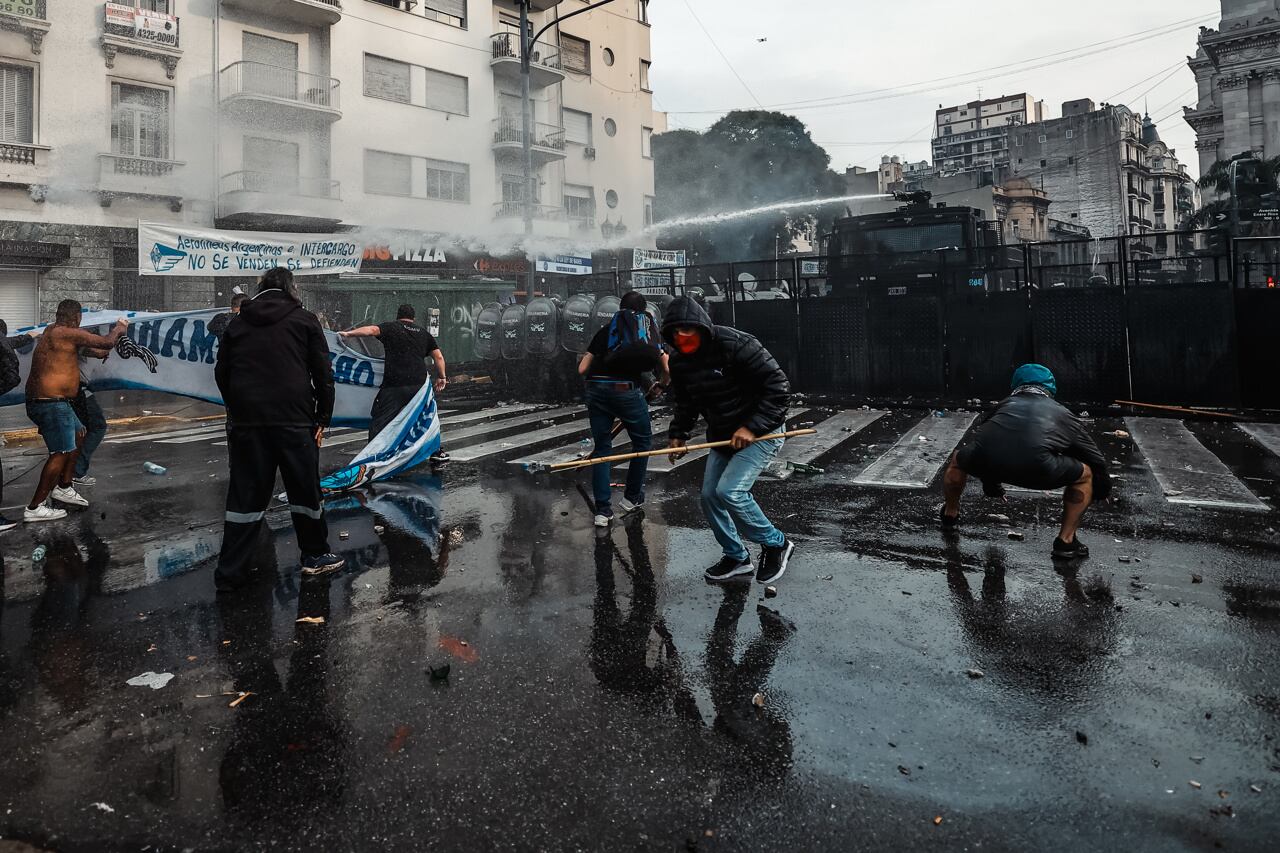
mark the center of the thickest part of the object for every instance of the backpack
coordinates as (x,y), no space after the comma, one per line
(10,375)
(627,328)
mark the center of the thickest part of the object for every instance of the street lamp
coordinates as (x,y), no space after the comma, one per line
(527,41)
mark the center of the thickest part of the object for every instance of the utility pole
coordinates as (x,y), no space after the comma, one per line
(528,39)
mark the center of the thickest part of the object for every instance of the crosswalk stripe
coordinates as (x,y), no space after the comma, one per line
(580,450)
(832,432)
(914,460)
(502,445)
(451,436)
(481,414)
(136,437)
(663,465)
(1185,469)
(1268,435)
(192,439)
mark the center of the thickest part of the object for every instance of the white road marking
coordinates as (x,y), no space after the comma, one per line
(480,415)
(513,442)
(663,465)
(136,437)
(1268,435)
(832,432)
(580,450)
(1186,470)
(914,461)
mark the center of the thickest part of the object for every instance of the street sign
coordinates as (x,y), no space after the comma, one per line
(565,265)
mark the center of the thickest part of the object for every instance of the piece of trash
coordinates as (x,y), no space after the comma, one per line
(1193,783)
(439,673)
(1222,795)
(344,535)
(1171,493)
(378,528)
(1257,789)
(1223,811)
(905,771)
(103,807)
(1197,579)
(1118,434)
(398,738)
(204,695)
(226,642)
(38,554)
(242,697)
(311,620)
(826,577)
(152,647)
(1082,738)
(153,468)
(1016,536)
(937,821)
(154,680)
(1197,758)
(975,673)
(770,592)
(758,700)
(460,649)
(995,516)
(1125,559)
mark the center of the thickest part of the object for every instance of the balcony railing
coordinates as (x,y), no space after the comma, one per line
(507,46)
(257,79)
(17,152)
(583,223)
(25,10)
(277,184)
(143,167)
(508,130)
(507,209)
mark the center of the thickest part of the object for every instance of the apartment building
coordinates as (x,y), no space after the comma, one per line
(972,137)
(399,119)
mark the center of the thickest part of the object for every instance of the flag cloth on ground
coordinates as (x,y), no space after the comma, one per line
(408,441)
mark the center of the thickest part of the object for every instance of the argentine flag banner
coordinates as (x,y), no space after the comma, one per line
(408,441)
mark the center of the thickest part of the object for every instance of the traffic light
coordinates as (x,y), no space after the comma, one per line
(1219,241)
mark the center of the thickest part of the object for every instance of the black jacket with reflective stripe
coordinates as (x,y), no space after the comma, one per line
(732,381)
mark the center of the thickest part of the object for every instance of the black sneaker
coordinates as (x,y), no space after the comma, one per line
(6,524)
(1074,550)
(322,564)
(728,568)
(773,561)
(948,520)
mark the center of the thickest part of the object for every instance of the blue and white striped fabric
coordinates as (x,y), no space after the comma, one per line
(408,441)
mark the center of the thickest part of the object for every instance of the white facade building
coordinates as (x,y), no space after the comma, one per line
(307,115)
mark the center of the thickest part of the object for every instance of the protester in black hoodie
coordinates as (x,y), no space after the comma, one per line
(732,381)
(274,374)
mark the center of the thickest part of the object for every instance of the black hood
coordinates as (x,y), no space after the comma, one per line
(268,308)
(685,311)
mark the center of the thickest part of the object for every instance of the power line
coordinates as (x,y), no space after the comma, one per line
(707,33)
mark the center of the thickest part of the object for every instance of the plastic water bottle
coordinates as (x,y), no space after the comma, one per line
(153,468)
(38,554)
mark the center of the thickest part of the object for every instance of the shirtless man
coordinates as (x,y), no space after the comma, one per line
(51,388)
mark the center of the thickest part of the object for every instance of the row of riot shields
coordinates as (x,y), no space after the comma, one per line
(546,325)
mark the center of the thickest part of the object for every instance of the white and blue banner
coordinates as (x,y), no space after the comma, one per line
(180,250)
(175,353)
(565,265)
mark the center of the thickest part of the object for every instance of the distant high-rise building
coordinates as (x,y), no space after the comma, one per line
(971,137)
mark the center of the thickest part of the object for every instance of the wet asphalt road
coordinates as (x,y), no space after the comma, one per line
(602,695)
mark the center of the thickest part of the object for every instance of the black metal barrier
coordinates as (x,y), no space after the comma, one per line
(988,336)
(1182,344)
(1257,322)
(1079,334)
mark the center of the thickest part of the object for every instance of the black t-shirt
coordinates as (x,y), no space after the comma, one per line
(626,363)
(405,346)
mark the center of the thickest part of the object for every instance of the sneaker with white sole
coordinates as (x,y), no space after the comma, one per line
(728,568)
(322,564)
(628,507)
(44,512)
(602,520)
(86,480)
(6,525)
(773,561)
(69,496)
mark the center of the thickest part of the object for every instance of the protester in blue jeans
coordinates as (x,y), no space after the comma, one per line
(732,381)
(618,366)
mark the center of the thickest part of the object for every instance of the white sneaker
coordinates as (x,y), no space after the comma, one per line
(44,512)
(68,495)
(86,480)
(603,520)
(628,507)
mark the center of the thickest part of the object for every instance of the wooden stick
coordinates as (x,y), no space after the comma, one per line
(624,457)
(1179,409)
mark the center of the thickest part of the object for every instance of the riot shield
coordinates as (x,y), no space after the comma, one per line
(513,332)
(576,322)
(542,326)
(488,336)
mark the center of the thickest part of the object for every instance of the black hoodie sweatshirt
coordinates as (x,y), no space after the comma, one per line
(273,365)
(731,380)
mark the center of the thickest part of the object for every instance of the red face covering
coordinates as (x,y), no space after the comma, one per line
(687,341)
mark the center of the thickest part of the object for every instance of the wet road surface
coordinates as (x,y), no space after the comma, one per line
(600,694)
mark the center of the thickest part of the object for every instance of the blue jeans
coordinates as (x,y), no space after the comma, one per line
(57,423)
(604,406)
(727,498)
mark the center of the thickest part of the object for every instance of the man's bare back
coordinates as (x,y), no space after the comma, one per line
(55,366)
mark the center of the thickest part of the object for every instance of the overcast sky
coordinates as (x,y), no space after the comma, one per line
(877,49)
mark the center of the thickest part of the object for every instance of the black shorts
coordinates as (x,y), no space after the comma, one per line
(1041,472)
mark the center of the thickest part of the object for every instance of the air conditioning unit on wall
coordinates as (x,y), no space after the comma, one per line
(589,153)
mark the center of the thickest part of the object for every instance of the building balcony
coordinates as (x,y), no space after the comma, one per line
(544,61)
(151,35)
(29,18)
(139,177)
(312,13)
(546,144)
(515,210)
(271,201)
(582,223)
(25,165)
(255,90)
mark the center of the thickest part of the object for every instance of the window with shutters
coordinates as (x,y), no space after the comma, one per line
(575,54)
(644,74)
(446,92)
(577,126)
(386,173)
(646,142)
(446,11)
(579,203)
(448,181)
(140,121)
(650,211)
(17,105)
(642,11)
(387,79)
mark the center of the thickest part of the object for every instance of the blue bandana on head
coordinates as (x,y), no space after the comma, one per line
(1035,374)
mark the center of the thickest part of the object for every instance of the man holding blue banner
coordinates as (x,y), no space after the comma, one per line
(276,380)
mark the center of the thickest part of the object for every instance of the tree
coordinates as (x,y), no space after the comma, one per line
(1217,213)
(748,159)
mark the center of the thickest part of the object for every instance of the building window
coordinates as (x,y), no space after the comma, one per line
(642,11)
(575,54)
(650,203)
(392,80)
(644,75)
(646,142)
(1017,140)
(611,199)
(577,126)
(608,57)
(164,7)
(946,131)
(139,121)
(579,203)
(610,127)
(1071,134)
(446,11)
(1044,163)
(386,173)
(1071,161)
(17,105)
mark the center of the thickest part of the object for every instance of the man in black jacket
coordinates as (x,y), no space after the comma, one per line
(274,374)
(1032,441)
(728,378)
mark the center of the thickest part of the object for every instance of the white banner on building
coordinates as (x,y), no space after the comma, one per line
(657,259)
(179,250)
(565,265)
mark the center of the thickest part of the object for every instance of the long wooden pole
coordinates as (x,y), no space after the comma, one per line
(625,457)
(1178,409)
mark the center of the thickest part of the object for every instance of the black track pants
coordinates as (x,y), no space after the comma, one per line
(389,403)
